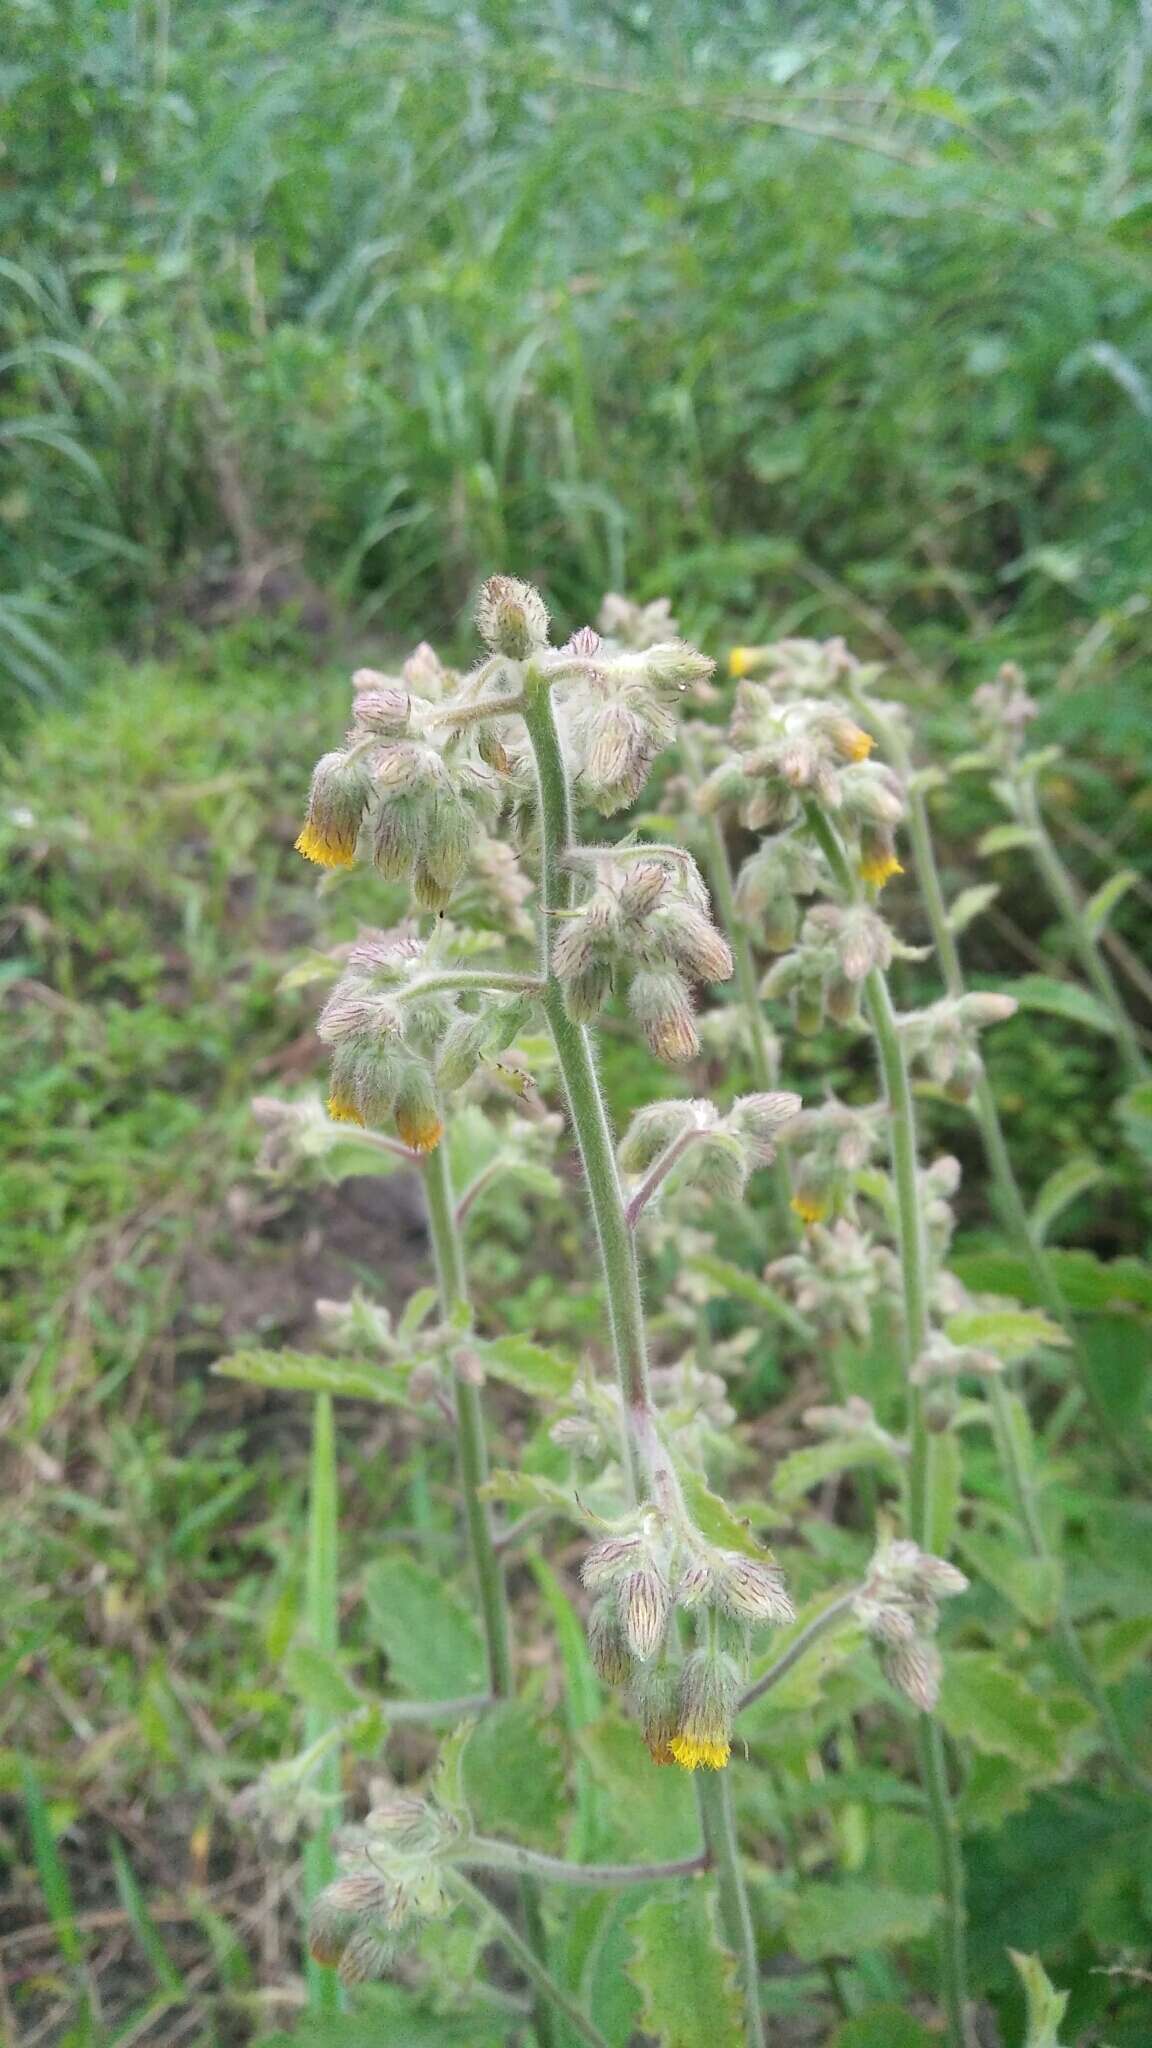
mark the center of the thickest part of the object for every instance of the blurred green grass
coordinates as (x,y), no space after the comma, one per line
(692,300)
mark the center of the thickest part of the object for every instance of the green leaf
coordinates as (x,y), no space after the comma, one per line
(1068,1182)
(1060,999)
(945,1472)
(317,1681)
(798,1473)
(715,1519)
(300,1372)
(983,1702)
(527,1366)
(417,1310)
(842,1919)
(1031,1585)
(1114,1352)
(652,1812)
(686,1979)
(513,1778)
(883,2026)
(971,904)
(1099,907)
(527,1490)
(744,1286)
(432,1642)
(1005,839)
(1011,1333)
(1086,1281)
(1045,2005)
(1117,1647)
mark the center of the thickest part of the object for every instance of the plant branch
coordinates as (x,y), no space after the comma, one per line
(535,1971)
(641,1195)
(714,1798)
(822,1624)
(322,1608)
(484,1853)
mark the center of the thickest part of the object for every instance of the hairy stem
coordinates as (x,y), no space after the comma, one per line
(536,1972)
(1066,897)
(472,1454)
(821,1624)
(485,1854)
(914,1270)
(714,1797)
(577,1067)
(1009,1193)
(322,1609)
(1016,1465)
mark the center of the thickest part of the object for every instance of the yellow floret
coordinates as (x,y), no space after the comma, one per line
(690,1751)
(860,744)
(810,1208)
(343,1110)
(421,1130)
(741,660)
(324,850)
(880,869)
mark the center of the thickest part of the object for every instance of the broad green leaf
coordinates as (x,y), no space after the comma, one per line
(842,1919)
(715,1519)
(417,1310)
(883,2026)
(945,1471)
(1045,2005)
(432,1642)
(527,1366)
(803,1685)
(652,1811)
(389,2013)
(744,1286)
(1005,839)
(318,1681)
(685,1977)
(1061,999)
(299,1372)
(994,1788)
(527,1490)
(801,1470)
(1011,1333)
(513,1777)
(1032,1585)
(1116,1357)
(1086,1281)
(1069,1181)
(1099,907)
(983,1702)
(1117,1647)
(971,904)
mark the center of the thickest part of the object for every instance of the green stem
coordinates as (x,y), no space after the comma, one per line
(322,1616)
(1066,897)
(1009,1194)
(820,1625)
(914,1270)
(472,1453)
(483,1853)
(577,1067)
(1023,1488)
(535,1971)
(714,1798)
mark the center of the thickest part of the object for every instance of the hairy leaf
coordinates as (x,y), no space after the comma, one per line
(686,1979)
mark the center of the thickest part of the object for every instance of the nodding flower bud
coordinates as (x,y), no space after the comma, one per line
(782,868)
(661,1003)
(750,1589)
(943,1037)
(915,1668)
(757,1121)
(608,1648)
(382,709)
(878,862)
(898,1608)
(636,626)
(695,945)
(337,800)
(611,1560)
(644,1606)
(709,1689)
(511,618)
(416,1112)
(941,1360)
(658,1699)
(353,1010)
(676,665)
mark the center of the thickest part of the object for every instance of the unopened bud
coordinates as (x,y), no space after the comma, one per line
(709,1686)
(511,618)
(645,1605)
(751,1589)
(662,1006)
(915,1669)
(608,1645)
(417,1114)
(383,709)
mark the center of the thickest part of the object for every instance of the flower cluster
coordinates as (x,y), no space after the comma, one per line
(837,1278)
(641,1575)
(943,1039)
(827,1147)
(398,1037)
(771,883)
(647,920)
(391,1883)
(837,949)
(898,1607)
(710,1151)
(1004,711)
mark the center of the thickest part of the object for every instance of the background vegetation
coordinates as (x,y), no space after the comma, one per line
(812,318)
